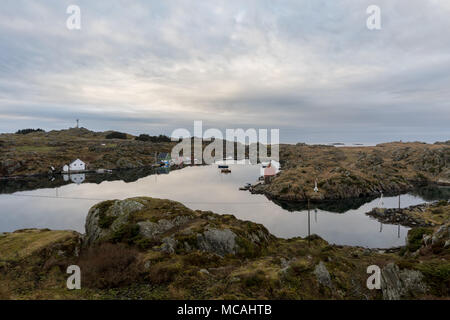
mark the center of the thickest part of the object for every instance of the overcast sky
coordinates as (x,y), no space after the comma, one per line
(310,68)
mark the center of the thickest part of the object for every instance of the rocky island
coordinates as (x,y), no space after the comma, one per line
(355,172)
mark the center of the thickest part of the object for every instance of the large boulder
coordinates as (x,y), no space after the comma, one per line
(170,227)
(108,217)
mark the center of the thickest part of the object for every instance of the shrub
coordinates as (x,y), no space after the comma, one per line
(109,265)
(116,135)
(255,279)
(160,138)
(27,131)
(201,259)
(164,272)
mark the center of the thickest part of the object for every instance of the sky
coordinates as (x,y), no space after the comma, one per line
(310,68)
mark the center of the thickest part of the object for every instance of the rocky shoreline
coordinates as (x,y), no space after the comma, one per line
(398,216)
(422,215)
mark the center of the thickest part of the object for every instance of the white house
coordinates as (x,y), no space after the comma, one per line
(77,165)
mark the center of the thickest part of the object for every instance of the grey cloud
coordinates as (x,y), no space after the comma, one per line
(310,68)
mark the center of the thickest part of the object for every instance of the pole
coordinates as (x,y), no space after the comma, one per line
(398,226)
(309,223)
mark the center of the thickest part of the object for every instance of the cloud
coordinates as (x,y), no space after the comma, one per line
(310,68)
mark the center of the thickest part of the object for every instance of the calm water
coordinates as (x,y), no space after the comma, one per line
(205,188)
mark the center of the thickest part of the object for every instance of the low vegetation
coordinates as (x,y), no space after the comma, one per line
(146,137)
(354,172)
(116,135)
(191,255)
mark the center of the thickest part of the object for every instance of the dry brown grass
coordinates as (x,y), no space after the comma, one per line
(4,294)
(109,265)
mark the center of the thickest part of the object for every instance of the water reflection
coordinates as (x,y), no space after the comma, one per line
(60,204)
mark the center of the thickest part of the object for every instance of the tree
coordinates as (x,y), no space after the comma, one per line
(27,131)
(116,135)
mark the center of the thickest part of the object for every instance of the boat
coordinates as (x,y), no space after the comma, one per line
(222,166)
(246,187)
(225,171)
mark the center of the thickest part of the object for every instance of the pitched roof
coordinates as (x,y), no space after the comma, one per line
(76,161)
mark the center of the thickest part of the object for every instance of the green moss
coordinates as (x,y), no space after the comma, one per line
(143,243)
(247,249)
(104,206)
(254,280)
(190,239)
(415,237)
(105,221)
(437,275)
(300,266)
(128,233)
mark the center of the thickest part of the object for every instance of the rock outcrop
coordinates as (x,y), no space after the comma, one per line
(170,227)
(322,274)
(399,284)
(222,242)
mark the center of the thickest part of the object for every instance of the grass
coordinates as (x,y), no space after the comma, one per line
(18,245)
(437,214)
(438,276)
(38,149)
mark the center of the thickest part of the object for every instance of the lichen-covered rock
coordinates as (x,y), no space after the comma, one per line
(442,234)
(108,217)
(322,275)
(401,284)
(171,227)
(168,245)
(221,242)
